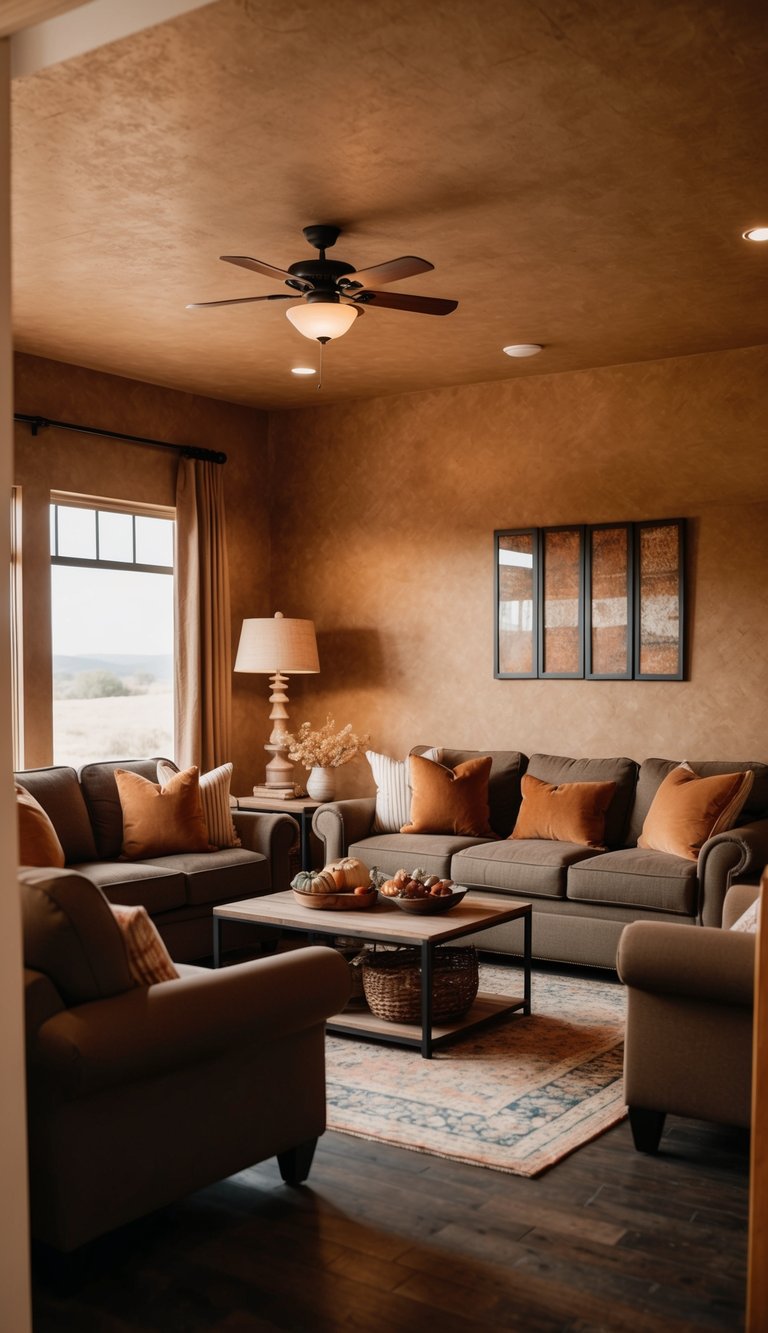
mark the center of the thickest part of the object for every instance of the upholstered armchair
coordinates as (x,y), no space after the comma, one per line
(688,1047)
(139,1094)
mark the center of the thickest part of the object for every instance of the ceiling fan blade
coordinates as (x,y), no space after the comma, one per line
(241,300)
(268,270)
(395,269)
(420,305)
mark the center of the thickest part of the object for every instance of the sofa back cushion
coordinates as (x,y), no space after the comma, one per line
(70,934)
(557,769)
(507,768)
(58,792)
(103,802)
(654,771)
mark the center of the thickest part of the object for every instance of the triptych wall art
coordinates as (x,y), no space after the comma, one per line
(597,602)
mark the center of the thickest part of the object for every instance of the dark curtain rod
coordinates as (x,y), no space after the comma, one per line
(186,450)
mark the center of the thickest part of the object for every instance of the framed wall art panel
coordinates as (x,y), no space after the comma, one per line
(609,596)
(516,597)
(659,600)
(561,603)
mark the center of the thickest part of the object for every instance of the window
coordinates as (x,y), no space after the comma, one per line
(112,630)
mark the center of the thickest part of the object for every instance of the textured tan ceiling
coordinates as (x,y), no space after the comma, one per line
(578,173)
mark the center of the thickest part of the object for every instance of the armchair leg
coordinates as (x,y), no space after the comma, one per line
(646,1128)
(295,1163)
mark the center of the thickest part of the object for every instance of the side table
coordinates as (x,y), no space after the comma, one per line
(300,808)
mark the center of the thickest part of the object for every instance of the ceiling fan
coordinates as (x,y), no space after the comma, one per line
(332,293)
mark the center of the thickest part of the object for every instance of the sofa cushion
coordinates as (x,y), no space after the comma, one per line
(636,878)
(103,803)
(70,934)
(38,842)
(653,772)
(407,851)
(214,797)
(688,810)
(449,800)
(134,883)
(218,877)
(507,768)
(570,812)
(393,790)
(557,768)
(148,959)
(160,820)
(534,867)
(58,791)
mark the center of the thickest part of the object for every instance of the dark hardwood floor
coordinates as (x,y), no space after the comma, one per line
(383,1239)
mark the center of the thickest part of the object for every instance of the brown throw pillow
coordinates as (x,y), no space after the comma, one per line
(450,800)
(148,959)
(569,812)
(38,840)
(160,821)
(687,810)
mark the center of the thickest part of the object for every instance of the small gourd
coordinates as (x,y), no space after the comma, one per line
(348,872)
(313,881)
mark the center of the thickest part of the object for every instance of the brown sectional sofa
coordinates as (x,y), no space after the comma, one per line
(582,899)
(178,891)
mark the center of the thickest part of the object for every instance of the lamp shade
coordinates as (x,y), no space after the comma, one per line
(278,644)
(322,319)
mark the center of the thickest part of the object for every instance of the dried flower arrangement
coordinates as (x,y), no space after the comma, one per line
(326,748)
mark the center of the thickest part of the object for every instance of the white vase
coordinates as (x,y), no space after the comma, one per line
(321,784)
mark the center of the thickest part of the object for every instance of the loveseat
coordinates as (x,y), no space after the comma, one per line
(178,891)
(582,898)
(138,1094)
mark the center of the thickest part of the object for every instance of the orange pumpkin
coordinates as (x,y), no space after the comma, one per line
(348,872)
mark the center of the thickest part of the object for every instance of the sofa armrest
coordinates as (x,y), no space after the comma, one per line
(340,823)
(152,1030)
(41,1001)
(275,836)
(734,854)
(699,962)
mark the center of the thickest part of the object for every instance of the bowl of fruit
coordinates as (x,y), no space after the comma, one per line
(416,891)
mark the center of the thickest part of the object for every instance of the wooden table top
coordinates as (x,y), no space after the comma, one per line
(384,921)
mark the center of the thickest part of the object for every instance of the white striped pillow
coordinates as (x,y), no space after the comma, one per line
(393,790)
(214,796)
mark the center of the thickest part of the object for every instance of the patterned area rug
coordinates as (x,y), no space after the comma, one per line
(516,1096)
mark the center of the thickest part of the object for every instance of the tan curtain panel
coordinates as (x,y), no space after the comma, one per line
(203,644)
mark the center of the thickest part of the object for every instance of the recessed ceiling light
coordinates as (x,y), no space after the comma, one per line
(303,370)
(756,234)
(523,349)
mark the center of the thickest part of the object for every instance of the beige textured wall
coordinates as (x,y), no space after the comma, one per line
(385,537)
(57,460)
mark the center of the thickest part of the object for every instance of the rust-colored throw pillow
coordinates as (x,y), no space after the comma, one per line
(158,821)
(148,959)
(568,812)
(687,810)
(450,800)
(38,840)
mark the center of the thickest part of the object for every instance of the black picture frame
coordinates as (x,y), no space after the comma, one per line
(659,599)
(609,578)
(516,648)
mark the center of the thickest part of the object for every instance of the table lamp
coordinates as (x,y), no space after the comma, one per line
(278,647)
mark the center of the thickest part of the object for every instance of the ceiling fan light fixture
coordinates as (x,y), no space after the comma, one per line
(756,234)
(523,349)
(322,320)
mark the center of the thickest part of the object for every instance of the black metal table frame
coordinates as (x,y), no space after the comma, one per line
(425,1042)
(302,817)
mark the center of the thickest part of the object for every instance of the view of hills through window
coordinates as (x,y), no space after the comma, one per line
(112,626)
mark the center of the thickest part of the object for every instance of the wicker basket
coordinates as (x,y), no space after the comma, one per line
(392,983)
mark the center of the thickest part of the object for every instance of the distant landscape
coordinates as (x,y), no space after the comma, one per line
(112,706)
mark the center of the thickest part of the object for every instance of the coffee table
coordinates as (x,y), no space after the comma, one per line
(388,924)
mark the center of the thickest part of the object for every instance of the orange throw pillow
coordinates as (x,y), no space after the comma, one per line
(687,810)
(38,840)
(450,800)
(148,959)
(160,821)
(569,812)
